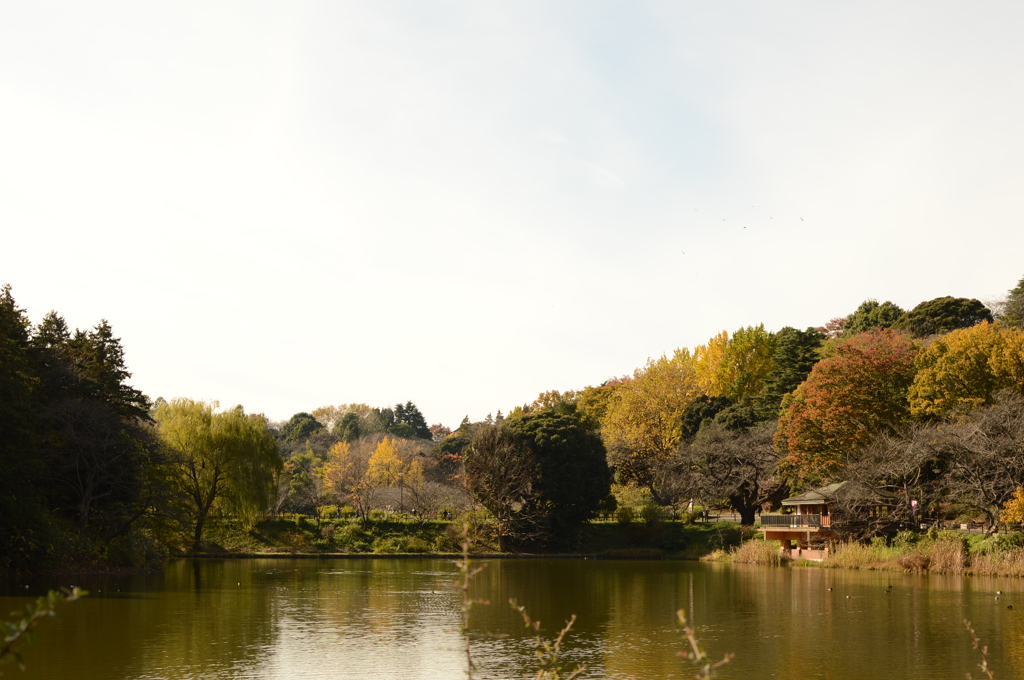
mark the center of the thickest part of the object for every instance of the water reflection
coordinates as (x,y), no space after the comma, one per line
(393,618)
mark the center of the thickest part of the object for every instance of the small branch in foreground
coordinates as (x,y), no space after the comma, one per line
(698,656)
(981,648)
(547,652)
(22,630)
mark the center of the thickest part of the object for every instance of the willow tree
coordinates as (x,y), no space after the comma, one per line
(222,459)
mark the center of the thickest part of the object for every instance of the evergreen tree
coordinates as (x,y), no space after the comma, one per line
(1013,313)
(942,315)
(871,316)
(22,528)
(795,354)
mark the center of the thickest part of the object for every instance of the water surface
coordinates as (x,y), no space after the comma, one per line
(394,618)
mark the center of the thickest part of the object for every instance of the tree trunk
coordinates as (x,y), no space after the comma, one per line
(747,515)
(198,536)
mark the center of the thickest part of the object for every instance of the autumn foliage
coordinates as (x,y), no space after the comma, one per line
(846,399)
(964,368)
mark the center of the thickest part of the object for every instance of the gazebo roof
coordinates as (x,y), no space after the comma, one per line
(834,492)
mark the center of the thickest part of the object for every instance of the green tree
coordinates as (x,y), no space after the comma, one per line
(347,428)
(794,356)
(871,316)
(703,408)
(541,474)
(227,459)
(299,428)
(845,401)
(99,444)
(1013,311)
(942,315)
(22,526)
(408,414)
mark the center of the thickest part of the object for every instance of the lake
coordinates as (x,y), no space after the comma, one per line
(395,618)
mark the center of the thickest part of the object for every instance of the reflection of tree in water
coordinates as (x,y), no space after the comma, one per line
(209,622)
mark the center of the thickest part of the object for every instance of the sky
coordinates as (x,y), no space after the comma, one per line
(287,205)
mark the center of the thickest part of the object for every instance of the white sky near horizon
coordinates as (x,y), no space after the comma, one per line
(464,204)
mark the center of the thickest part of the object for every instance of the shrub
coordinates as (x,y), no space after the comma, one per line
(651,514)
(905,538)
(624,514)
(327,532)
(1012,541)
(294,541)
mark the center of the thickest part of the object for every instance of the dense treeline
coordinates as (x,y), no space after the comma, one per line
(905,402)
(78,452)
(926,404)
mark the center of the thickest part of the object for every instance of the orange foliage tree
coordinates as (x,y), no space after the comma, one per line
(847,398)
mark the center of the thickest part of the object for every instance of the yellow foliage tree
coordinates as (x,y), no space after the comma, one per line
(966,367)
(385,465)
(1013,509)
(643,423)
(735,366)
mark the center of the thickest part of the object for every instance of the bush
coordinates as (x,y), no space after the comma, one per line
(295,541)
(1007,542)
(327,532)
(624,514)
(651,514)
(905,538)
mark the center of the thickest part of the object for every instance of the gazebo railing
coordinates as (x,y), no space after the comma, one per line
(795,521)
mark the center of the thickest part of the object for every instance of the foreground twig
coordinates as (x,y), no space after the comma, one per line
(467,573)
(981,648)
(547,652)
(22,630)
(698,656)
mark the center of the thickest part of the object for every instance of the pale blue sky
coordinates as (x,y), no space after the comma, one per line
(287,205)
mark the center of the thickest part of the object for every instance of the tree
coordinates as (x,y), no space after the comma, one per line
(1013,309)
(942,315)
(22,526)
(594,402)
(981,455)
(643,425)
(99,444)
(226,458)
(966,367)
(408,414)
(703,408)
(438,432)
(845,401)
(1013,509)
(735,366)
(540,474)
(871,316)
(345,476)
(794,356)
(299,428)
(738,465)
(347,428)
(385,467)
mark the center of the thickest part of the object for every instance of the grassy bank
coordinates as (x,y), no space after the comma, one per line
(399,534)
(946,552)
